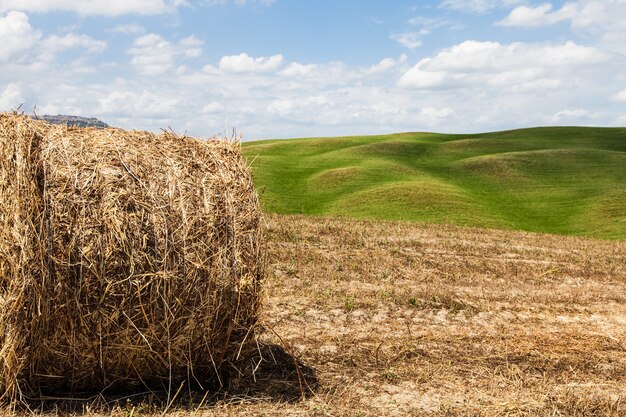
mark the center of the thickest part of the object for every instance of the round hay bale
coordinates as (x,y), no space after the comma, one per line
(127,259)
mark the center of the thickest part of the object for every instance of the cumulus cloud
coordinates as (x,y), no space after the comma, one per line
(243,63)
(329,73)
(137,104)
(334,98)
(465,87)
(296,69)
(154,55)
(477,6)
(129,29)
(577,116)
(601,21)
(593,15)
(409,40)
(213,107)
(285,107)
(21,44)
(427,25)
(604,21)
(604,15)
(435,115)
(16,35)
(55,44)
(514,66)
(386,64)
(11,97)
(620,96)
(314,99)
(191,46)
(239,2)
(420,28)
(540,15)
(338,73)
(94,7)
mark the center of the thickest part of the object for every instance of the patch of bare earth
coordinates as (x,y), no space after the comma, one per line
(397,319)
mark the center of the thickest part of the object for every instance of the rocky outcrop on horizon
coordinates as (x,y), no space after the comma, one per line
(79,121)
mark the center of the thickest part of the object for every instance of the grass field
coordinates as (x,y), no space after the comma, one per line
(565,180)
(399,319)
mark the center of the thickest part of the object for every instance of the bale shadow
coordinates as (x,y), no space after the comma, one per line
(269,374)
(274,374)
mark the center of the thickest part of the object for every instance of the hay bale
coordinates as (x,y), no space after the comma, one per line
(127,259)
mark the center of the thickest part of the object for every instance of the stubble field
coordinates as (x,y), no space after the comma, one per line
(382,318)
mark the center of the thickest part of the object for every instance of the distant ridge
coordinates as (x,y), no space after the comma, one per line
(79,121)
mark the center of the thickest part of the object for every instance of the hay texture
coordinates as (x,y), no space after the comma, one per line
(127,259)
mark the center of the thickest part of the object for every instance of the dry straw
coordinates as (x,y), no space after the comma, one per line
(127,259)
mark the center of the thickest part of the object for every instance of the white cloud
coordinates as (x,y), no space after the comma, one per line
(154,55)
(239,2)
(213,107)
(94,7)
(514,66)
(137,104)
(20,43)
(329,73)
(191,46)
(614,40)
(620,96)
(477,6)
(319,99)
(315,99)
(427,25)
(540,15)
(435,115)
(386,64)
(409,40)
(16,35)
(469,86)
(11,97)
(296,69)
(55,44)
(243,63)
(601,16)
(573,116)
(418,78)
(602,22)
(420,28)
(422,21)
(338,73)
(129,29)
(286,107)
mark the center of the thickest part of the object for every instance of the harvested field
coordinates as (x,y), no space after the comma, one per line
(412,319)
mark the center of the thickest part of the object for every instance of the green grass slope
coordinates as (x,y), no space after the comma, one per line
(565,180)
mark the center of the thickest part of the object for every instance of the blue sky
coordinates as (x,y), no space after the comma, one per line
(295,68)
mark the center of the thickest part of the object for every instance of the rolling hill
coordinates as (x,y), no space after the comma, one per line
(564,180)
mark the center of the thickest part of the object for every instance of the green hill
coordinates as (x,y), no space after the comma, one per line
(566,180)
